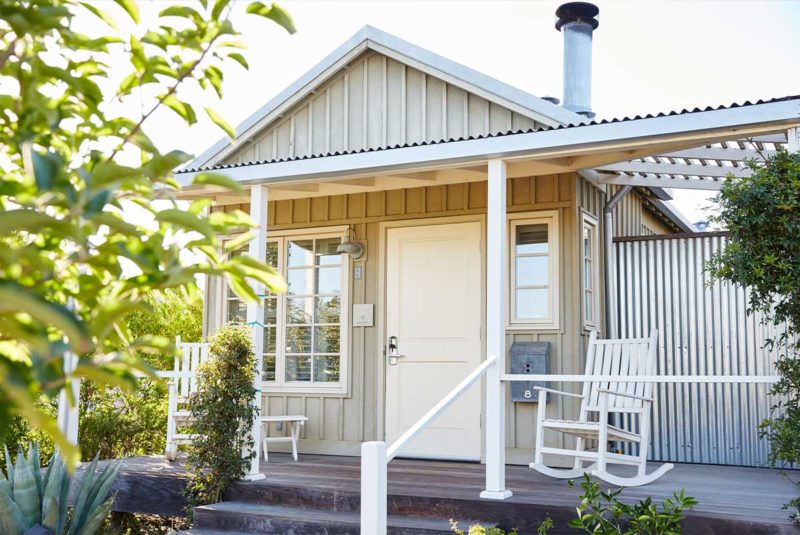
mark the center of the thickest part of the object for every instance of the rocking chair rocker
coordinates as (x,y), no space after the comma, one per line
(627,359)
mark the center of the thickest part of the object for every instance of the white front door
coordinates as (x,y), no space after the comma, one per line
(433,308)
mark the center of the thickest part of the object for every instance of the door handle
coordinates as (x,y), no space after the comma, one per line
(392,351)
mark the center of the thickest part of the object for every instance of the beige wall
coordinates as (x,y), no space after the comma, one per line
(378,102)
(339,423)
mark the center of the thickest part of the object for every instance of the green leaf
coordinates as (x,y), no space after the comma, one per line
(25,494)
(238,58)
(184,110)
(219,5)
(16,298)
(216,179)
(275,13)
(100,14)
(30,221)
(162,165)
(130,8)
(220,122)
(186,221)
(45,169)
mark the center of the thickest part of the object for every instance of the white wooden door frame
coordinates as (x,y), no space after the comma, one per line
(383,229)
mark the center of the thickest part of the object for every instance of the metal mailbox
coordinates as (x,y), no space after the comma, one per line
(527,358)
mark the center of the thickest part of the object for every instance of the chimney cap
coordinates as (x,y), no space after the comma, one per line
(577,12)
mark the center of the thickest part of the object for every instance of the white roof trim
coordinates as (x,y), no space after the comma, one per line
(756,119)
(372,38)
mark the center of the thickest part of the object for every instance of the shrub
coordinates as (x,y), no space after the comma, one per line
(762,214)
(223,412)
(32,502)
(602,513)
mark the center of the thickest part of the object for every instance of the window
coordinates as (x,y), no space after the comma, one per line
(304,328)
(590,274)
(533,251)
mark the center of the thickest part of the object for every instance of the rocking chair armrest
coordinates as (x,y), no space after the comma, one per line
(625,395)
(560,392)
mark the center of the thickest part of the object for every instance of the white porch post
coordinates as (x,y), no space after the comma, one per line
(255,313)
(68,414)
(793,137)
(496,304)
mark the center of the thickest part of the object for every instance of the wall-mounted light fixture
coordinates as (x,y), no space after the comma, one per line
(349,245)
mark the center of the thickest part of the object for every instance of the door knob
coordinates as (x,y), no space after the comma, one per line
(392,351)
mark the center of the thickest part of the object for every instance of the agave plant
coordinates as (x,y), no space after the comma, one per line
(31,504)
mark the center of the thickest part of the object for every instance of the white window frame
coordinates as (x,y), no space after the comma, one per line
(303,387)
(551,219)
(589,221)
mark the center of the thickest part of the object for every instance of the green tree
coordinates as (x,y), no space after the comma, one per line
(762,214)
(72,161)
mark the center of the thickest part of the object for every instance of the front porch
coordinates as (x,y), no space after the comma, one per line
(423,495)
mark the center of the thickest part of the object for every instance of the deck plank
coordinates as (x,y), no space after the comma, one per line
(744,494)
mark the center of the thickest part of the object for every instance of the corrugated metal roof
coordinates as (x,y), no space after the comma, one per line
(541,128)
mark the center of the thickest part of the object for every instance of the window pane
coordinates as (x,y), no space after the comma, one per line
(532,271)
(301,281)
(237,311)
(272,254)
(326,369)
(271,310)
(587,242)
(588,303)
(531,239)
(299,310)
(270,340)
(298,368)
(326,252)
(301,253)
(326,339)
(298,339)
(532,303)
(268,370)
(588,279)
(327,309)
(329,280)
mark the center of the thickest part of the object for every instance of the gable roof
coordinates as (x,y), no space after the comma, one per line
(370,38)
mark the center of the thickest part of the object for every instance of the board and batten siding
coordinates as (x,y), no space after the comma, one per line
(377,102)
(339,423)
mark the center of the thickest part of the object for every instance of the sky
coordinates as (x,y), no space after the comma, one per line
(648,56)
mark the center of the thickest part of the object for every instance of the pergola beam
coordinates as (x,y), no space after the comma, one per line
(662,182)
(715,171)
(718,153)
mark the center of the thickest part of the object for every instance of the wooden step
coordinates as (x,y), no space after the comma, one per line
(238,517)
(506,514)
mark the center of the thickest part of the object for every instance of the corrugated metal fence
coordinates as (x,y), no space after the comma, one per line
(703,329)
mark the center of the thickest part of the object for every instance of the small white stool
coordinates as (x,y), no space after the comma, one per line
(294,422)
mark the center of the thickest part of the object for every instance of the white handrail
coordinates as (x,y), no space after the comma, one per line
(375,457)
(437,409)
(672,379)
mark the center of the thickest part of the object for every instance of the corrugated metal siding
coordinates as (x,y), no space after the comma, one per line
(377,102)
(703,329)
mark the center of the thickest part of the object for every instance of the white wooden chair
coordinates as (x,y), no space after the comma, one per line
(624,358)
(182,385)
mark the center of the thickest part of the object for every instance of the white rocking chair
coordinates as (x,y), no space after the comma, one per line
(624,358)
(181,387)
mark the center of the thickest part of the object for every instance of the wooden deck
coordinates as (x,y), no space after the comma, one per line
(748,500)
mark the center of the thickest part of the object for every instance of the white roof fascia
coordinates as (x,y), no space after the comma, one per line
(430,63)
(740,121)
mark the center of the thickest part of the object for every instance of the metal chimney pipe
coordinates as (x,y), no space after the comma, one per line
(576,20)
